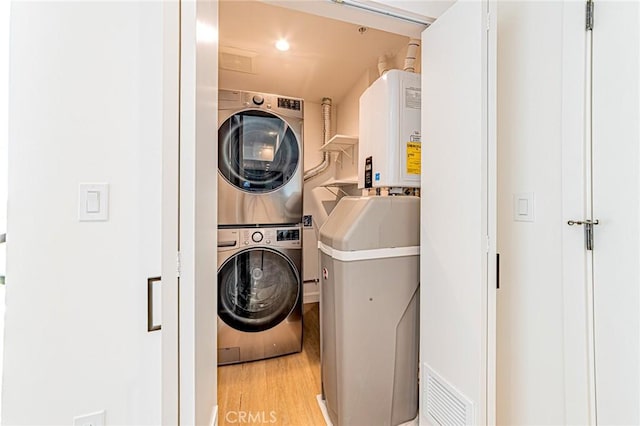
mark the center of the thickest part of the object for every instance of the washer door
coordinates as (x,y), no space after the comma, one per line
(257,289)
(257,151)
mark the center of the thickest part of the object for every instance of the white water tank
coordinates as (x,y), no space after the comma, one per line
(389,146)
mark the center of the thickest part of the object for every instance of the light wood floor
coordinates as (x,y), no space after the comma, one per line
(277,391)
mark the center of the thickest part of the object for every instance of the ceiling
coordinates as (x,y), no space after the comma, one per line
(326,56)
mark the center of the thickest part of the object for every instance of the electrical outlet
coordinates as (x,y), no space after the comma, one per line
(93,419)
(307,221)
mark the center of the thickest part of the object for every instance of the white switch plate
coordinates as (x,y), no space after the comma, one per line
(524,207)
(93,419)
(93,202)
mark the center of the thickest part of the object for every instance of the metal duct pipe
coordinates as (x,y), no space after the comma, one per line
(412,53)
(326,130)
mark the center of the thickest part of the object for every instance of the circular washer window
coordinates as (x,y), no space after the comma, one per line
(257,151)
(257,290)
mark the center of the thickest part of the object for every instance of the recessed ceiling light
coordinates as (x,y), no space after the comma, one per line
(282,45)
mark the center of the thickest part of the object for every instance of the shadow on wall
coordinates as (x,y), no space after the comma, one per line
(329,206)
(319,202)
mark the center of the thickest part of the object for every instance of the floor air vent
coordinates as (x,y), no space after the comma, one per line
(443,404)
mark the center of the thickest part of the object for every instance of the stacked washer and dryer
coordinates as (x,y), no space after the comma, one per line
(260,182)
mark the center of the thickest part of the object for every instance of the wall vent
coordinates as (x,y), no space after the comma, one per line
(443,404)
(239,60)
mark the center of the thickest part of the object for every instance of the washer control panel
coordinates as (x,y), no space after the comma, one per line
(282,237)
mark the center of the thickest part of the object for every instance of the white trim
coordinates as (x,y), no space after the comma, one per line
(170,200)
(198,208)
(382,253)
(311,297)
(491,209)
(214,416)
(385,10)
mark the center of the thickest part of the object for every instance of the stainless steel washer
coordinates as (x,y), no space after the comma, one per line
(260,169)
(259,293)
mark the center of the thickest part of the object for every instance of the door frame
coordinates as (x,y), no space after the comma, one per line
(189,212)
(170,395)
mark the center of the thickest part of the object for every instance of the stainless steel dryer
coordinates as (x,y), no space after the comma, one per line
(259,293)
(260,174)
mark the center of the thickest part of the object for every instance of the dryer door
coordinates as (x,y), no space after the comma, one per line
(257,289)
(257,151)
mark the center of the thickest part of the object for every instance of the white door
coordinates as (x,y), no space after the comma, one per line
(579,386)
(457,324)
(601,119)
(4,135)
(616,194)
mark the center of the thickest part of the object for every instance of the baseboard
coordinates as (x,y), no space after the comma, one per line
(311,297)
(323,408)
(214,416)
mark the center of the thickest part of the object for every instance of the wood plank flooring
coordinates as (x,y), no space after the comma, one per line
(277,391)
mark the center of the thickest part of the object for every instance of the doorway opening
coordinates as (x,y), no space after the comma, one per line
(326,59)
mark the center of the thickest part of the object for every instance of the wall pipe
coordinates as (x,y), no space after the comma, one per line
(383,66)
(326,130)
(412,53)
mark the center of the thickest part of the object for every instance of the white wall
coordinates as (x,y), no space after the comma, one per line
(312,156)
(349,106)
(86,107)
(616,204)
(312,134)
(530,387)
(315,197)
(319,201)
(348,120)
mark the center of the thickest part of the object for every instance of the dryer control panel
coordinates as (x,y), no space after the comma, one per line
(281,105)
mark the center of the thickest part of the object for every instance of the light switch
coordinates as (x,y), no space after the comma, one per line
(93,419)
(523,207)
(93,202)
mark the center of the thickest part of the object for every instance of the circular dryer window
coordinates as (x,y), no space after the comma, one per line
(257,290)
(257,151)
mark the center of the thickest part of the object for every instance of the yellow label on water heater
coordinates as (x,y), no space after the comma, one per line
(413,158)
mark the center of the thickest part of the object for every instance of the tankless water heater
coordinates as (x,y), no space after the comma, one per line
(389,146)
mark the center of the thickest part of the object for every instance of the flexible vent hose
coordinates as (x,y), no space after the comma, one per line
(326,130)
